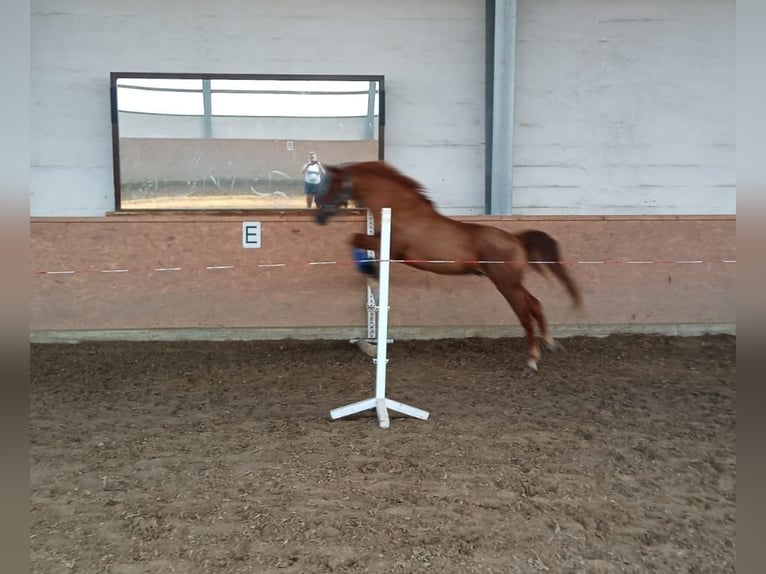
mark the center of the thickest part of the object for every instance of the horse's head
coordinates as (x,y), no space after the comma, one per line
(335,191)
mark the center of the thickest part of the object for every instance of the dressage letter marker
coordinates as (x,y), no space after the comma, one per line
(379,402)
(251,234)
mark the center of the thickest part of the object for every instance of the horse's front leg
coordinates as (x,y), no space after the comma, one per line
(364,241)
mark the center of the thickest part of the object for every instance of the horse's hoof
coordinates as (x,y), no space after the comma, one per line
(529,371)
(554,346)
(369,349)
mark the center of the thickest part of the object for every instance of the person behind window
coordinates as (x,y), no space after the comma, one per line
(312,171)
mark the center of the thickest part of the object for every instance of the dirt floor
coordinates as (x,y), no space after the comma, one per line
(619,456)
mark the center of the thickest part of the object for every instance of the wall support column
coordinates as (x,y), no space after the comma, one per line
(501,70)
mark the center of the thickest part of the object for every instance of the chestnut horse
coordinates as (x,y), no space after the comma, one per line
(427,240)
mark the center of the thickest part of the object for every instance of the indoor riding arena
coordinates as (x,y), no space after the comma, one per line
(203,351)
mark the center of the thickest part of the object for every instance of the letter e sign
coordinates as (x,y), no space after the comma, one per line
(251,234)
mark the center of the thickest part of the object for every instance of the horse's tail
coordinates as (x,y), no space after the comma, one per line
(543,253)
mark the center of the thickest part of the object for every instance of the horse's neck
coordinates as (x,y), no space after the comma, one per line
(386,194)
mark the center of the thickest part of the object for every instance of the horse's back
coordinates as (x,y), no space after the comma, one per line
(428,239)
(496,244)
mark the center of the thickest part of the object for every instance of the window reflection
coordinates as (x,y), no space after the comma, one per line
(236,142)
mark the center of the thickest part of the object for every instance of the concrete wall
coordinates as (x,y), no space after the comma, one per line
(625,107)
(431,53)
(621,107)
(298,299)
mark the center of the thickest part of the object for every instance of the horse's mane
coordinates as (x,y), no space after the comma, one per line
(383,169)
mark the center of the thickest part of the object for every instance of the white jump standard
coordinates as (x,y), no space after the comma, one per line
(380,402)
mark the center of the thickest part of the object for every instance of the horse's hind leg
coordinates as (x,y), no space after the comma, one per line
(536,309)
(519,302)
(507,282)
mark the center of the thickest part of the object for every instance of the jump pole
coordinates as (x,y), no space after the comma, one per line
(380,402)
